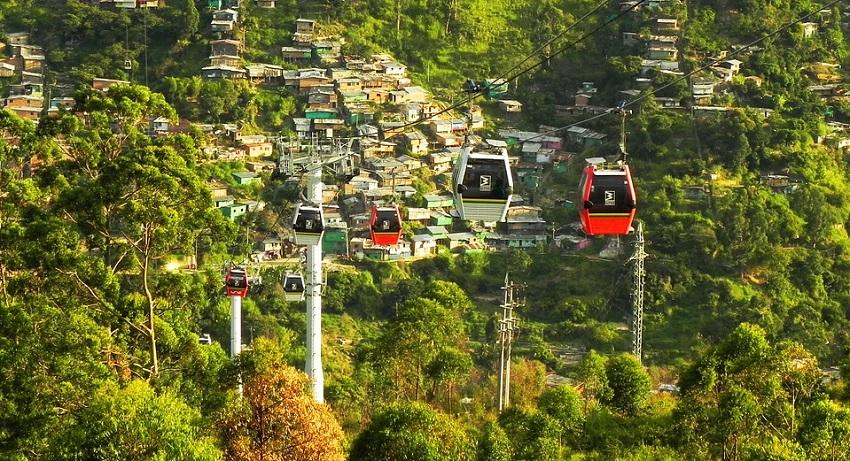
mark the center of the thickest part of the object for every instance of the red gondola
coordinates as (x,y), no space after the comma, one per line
(385,225)
(236,282)
(608,202)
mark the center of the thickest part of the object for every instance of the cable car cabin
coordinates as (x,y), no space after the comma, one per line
(293,287)
(308,224)
(609,199)
(236,282)
(385,226)
(482,185)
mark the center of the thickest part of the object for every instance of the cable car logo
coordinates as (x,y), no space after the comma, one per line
(485,182)
(610,199)
(308,224)
(293,287)
(385,225)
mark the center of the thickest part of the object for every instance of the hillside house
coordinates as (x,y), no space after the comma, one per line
(410,111)
(448,140)
(411,163)
(416,94)
(662,41)
(370,148)
(422,245)
(321,98)
(668,103)
(440,162)
(666,25)
(523,220)
(262,72)
(393,178)
(160,125)
(414,142)
(363,183)
(225,47)
(225,60)
(439,218)
(461,240)
(658,64)
(391,129)
(438,201)
(349,84)
(226,18)
(296,53)
(440,126)
(23,100)
(667,53)
(305,26)
(418,215)
(328,126)
(327,51)
(394,69)
(263,149)
(235,210)
(7,70)
(219,25)
(26,50)
(271,248)
(27,89)
(265,3)
(226,72)
(246,177)
(585,136)
(368,131)
(377,95)
(702,90)
(510,106)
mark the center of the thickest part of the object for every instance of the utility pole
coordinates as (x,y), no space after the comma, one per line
(507,327)
(638,280)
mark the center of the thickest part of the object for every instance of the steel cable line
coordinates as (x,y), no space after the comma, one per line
(569,46)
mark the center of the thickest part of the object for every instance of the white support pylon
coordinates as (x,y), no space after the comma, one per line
(236,330)
(313,365)
(235,326)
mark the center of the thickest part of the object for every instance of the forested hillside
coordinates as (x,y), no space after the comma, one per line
(112,348)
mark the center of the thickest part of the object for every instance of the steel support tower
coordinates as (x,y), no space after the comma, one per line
(638,280)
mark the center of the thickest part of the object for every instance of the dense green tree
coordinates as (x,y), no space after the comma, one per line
(563,404)
(494,444)
(825,432)
(412,431)
(134,423)
(629,383)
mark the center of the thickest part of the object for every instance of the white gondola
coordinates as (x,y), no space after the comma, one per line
(483,184)
(308,224)
(293,287)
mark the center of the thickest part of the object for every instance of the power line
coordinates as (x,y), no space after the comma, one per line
(548,42)
(689,74)
(569,46)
